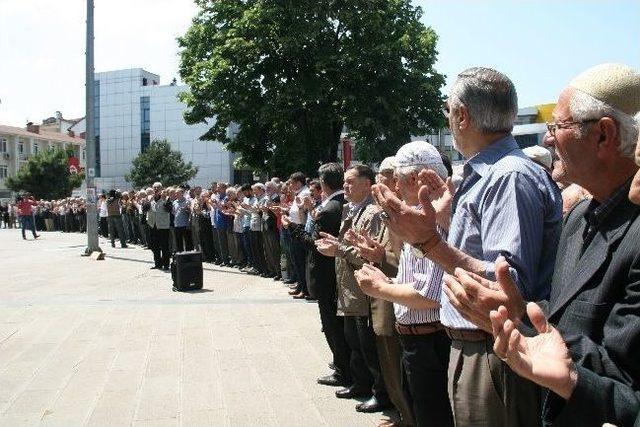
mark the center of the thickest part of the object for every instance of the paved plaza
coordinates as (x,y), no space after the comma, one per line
(85,342)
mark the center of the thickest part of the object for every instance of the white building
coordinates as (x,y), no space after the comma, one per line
(18,144)
(131,110)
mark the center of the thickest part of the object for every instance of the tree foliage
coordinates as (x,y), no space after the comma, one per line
(46,175)
(293,74)
(160,163)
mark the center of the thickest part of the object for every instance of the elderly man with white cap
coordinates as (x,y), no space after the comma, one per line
(415,293)
(588,360)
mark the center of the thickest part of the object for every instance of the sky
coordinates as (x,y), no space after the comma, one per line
(539,44)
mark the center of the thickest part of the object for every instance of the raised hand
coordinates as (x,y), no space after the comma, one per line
(543,359)
(474,296)
(369,279)
(441,195)
(408,224)
(369,249)
(327,247)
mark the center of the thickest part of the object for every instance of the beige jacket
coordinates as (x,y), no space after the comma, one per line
(351,300)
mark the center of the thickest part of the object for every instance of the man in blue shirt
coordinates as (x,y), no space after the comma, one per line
(505,205)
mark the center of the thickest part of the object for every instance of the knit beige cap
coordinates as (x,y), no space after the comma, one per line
(617,85)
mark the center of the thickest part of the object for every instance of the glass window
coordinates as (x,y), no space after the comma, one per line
(21,148)
(4,171)
(3,145)
(36,148)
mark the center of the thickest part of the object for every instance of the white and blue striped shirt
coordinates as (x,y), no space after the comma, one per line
(426,278)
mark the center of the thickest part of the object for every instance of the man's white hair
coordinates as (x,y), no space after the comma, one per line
(585,107)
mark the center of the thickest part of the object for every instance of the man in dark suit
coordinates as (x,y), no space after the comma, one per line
(589,360)
(322,271)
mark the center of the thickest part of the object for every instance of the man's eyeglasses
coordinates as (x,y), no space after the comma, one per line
(554,126)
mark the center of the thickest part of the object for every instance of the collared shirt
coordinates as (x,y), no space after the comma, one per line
(506,205)
(597,212)
(256,215)
(297,215)
(181,212)
(221,220)
(308,225)
(426,278)
(246,217)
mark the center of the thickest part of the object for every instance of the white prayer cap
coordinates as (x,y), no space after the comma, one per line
(539,155)
(421,153)
(617,85)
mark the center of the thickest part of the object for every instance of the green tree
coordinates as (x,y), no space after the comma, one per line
(294,74)
(46,175)
(160,163)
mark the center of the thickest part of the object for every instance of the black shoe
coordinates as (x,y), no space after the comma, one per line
(124,246)
(372,405)
(289,282)
(113,245)
(332,380)
(156,267)
(353,392)
(309,298)
(332,366)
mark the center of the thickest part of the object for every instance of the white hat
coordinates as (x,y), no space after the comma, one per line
(539,155)
(389,163)
(421,153)
(617,85)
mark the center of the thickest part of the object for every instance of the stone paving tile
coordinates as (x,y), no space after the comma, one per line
(108,344)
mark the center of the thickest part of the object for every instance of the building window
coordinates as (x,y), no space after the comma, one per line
(4,171)
(145,126)
(84,154)
(21,148)
(36,148)
(3,145)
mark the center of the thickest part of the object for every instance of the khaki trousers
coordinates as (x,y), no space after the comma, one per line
(483,390)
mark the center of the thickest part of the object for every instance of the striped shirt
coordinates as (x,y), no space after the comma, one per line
(426,278)
(506,205)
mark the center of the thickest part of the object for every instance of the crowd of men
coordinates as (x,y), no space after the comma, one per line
(507,295)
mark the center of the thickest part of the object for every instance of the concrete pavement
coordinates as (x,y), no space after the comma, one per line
(99,343)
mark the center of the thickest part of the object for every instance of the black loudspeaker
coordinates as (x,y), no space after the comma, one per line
(186,271)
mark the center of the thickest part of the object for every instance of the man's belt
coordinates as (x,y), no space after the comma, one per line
(420,329)
(473,335)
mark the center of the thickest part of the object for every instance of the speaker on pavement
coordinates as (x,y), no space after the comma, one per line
(186,271)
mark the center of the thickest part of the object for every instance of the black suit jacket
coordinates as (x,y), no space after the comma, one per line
(322,269)
(595,303)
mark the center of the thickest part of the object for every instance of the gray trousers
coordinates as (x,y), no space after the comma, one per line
(115,225)
(483,390)
(223,244)
(272,251)
(195,232)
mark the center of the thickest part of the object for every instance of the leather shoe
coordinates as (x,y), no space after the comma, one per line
(372,405)
(333,380)
(293,292)
(299,296)
(352,392)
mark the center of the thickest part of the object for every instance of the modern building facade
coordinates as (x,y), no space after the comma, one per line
(131,110)
(18,144)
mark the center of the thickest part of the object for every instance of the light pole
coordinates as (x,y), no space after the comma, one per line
(92,220)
